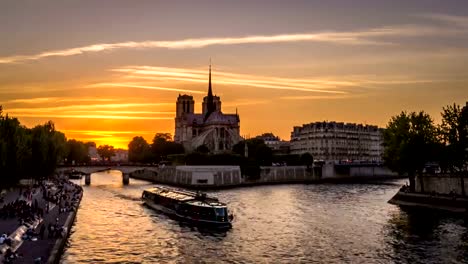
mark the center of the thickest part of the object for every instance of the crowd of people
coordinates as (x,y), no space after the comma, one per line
(22,208)
(55,192)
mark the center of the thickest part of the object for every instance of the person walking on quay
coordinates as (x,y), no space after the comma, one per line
(50,230)
(42,230)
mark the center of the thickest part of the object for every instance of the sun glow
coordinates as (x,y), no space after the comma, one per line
(118,139)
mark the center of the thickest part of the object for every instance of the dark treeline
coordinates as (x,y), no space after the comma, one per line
(413,143)
(34,152)
(163,150)
(28,153)
(140,151)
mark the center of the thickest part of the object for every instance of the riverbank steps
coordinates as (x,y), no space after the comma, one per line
(36,219)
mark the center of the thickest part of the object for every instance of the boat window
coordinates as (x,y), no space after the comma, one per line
(202,181)
(220,211)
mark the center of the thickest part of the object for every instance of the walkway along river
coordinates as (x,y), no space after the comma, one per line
(316,223)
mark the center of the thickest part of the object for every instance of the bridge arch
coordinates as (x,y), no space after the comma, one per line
(88,170)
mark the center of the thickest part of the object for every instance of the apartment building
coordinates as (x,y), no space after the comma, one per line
(338,141)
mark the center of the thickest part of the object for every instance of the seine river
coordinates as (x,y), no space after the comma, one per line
(319,223)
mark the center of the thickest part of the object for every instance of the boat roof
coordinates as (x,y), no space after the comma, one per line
(171,194)
(187,197)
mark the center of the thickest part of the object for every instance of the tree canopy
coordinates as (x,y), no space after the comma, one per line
(139,150)
(106,152)
(163,146)
(77,152)
(410,141)
(454,135)
(24,152)
(256,149)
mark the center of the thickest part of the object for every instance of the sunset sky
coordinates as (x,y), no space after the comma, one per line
(106,71)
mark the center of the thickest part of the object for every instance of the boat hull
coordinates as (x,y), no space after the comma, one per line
(186,219)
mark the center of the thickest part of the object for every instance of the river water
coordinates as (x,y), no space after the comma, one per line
(316,223)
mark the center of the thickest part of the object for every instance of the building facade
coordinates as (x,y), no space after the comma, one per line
(337,141)
(277,145)
(121,155)
(216,130)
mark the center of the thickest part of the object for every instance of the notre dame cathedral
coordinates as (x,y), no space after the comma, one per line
(212,128)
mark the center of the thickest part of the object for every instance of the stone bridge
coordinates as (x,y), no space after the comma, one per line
(88,170)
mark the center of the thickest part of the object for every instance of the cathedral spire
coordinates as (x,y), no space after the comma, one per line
(210,107)
(210,92)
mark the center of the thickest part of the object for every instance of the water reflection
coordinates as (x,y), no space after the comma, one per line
(422,236)
(273,224)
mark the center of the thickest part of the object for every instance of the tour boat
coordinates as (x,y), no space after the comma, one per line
(193,207)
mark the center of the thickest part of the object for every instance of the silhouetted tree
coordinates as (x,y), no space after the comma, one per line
(106,152)
(48,149)
(77,152)
(163,146)
(410,142)
(162,137)
(454,134)
(139,150)
(257,151)
(259,154)
(15,150)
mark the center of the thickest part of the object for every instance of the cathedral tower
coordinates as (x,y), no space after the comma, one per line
(185,105)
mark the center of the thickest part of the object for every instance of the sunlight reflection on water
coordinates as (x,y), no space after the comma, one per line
(280,224)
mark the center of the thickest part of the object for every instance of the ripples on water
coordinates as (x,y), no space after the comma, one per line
(317,223)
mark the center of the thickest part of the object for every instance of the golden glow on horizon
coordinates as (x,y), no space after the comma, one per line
(109,88)
(118,139)
(90,116)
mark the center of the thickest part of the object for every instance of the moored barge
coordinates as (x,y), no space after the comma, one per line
(193,207)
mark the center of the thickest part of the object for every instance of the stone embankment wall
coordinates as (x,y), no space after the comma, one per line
(230,176)
(286,174)
(441,184)
(439,191)
(200,175)
(223,176)
(374,171)
(332,171)
(439,202)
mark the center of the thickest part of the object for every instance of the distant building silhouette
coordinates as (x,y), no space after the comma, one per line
(92,152)
(121,155)
(212,128)
(337,141)
(275,143)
